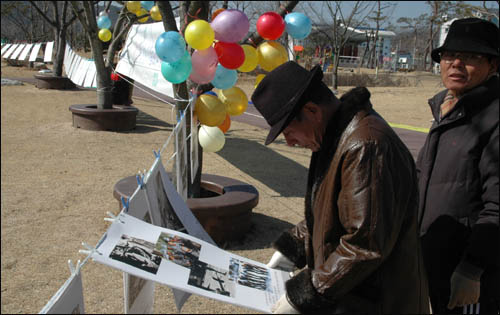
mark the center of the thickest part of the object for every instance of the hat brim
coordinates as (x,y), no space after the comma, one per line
(299,102)
(459,46)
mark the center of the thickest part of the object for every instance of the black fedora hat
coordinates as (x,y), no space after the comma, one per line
(282,93)
(470,35)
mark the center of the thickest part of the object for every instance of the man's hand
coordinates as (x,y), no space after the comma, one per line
(278,261)
(464,291)
(284,307)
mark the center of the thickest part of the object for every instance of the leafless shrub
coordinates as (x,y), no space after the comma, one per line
(369,80)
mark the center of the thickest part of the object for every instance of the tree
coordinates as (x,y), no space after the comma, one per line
(86,13)
(20,22)
(59,24)
(435,20)
(342,26)
(379,20)
(414,25)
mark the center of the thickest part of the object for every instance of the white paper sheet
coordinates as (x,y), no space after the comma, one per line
(34,52)
(25,52)
(84,70)
(10,51)
(91,73)
(5,48)
(74,67)
(17,52)
(68,299)
(184,262)
(49,47)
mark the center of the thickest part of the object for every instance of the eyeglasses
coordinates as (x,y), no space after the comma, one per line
(468,58)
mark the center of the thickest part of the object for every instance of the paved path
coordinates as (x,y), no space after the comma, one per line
(414,140)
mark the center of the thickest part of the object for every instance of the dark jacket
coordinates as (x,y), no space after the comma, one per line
(359,240)
(458,182)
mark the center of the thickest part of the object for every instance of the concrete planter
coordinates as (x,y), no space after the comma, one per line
(47,81)
(118,118)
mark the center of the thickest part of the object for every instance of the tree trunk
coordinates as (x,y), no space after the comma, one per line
(60,49)
(103,76)
(336,60)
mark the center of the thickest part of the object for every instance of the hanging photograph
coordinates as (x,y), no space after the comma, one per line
(178,250)
(249,275)
(137,253)
(210,278)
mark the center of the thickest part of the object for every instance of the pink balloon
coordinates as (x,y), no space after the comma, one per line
(195,77)
(230,26)
(205,62)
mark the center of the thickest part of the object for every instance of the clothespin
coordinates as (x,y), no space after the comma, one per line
(74,269)
(112,217)
(89,249)
(140,180)
(157,154)
(125,203)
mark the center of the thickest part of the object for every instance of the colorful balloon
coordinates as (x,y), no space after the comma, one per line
(147,4)
(199,34)
(224,78)
(155,13)
(251,59)
(104,22)
(133,6)
(271,54)
(170,46)
(211,139)
(270,25)
(102,13)
(258,79)
(225,124)
(177,72)
(234,99)
(210,110)
(115,77)
(216,12)
(298,25)
(230,55)
(104,34)
(230,26)
(204,65)
(142,12)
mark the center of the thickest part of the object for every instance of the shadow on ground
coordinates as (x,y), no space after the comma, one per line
(147,123)
(283,175)
(263,232)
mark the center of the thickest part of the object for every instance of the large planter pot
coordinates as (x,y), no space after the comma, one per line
(118,118)
(47,81)
(225,214)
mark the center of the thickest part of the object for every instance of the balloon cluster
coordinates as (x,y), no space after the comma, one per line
(217,58)
(139,8)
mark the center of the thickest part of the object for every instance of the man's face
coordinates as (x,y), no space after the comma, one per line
(463,71)
(305,130)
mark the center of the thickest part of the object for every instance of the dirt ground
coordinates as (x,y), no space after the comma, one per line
(57,184)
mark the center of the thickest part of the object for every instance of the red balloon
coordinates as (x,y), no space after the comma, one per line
(270,25)
(231,55)
(114,77)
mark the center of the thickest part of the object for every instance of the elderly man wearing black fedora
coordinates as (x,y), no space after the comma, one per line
(358,247)
(458,174)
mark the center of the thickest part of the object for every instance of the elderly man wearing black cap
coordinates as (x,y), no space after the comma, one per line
(458,174)
(358,246)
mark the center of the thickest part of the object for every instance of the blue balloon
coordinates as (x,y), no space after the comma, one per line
(177,72)
(170,46)
(298,25)
(210,93)
(224,78)
(104,22)
(147,4)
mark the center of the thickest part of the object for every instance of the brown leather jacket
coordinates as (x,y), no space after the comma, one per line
(359,240)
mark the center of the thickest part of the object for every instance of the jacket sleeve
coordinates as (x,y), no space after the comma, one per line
(377,185)
(484,236)
(292,244)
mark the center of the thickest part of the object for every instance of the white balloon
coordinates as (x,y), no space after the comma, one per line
(102,13)
(211,139)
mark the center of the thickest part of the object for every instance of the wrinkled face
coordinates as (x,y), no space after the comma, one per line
(463,71)
(306,129)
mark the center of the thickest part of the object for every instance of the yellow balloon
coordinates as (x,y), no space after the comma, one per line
(210,110)
(271,54)
(155,13)
(141,12)
(199,34)
(133,6)
(251,59)
(104,34)
(234,99)
(258,79)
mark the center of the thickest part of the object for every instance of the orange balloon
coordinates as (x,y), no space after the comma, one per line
(226,124)
(216,12)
